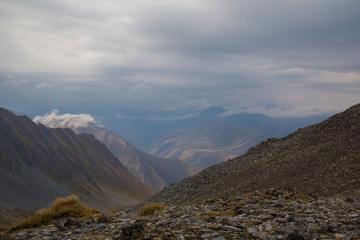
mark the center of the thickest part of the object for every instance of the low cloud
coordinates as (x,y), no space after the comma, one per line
(45,85)
(67,120)
(11,80)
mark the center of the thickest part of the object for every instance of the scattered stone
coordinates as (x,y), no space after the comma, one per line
(70,222)
(278,204)
(5,236)
(104,219)
(206,235)
(354,215)
(133,231)
(60,226)
(295,236)
(232,228)
(339,236)
(261,218)
(251,230)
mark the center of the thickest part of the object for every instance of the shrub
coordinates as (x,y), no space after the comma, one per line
(150,209)
(61,207)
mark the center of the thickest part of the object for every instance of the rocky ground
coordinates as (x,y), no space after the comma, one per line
(262,215)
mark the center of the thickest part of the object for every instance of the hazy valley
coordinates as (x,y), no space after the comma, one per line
(301,186)
(180,120)
(156,172)
(207,137)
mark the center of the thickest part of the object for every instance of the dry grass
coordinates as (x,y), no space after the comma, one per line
(150,209)
(61,207)
(209,214)
(229,213)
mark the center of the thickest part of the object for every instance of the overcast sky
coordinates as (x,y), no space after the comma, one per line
(279,57)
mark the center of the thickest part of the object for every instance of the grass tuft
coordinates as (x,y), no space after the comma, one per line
(209,214)
(61,207)
(150,209)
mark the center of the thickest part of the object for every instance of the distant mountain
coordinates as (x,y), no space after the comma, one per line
(38,164)
(321,159)
(209,143)
(155,171)
(186,137)
(145,130)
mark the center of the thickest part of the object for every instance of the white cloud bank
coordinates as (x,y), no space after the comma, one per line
(67,120)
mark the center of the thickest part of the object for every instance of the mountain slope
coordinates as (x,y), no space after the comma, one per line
(38,164)
(321,159)
(145,129)
(154,171)
(210,143)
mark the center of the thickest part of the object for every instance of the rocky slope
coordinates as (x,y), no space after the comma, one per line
(38,164)
(209,144)
(271,214)
(154,171)
(320,159)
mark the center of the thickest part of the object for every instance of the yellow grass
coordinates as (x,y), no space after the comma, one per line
(209,214)
(150,209)
(61,207)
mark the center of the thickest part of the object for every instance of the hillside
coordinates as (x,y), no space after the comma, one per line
(209,144)
(272,214)
(154,171)
(38,164)
(322,159)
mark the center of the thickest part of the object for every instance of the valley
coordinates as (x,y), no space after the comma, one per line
(301,186)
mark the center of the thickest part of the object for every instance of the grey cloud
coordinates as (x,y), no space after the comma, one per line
(167,55)
(279,30)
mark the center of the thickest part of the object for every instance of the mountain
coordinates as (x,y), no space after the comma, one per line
(154,171)
(145,129)
(199,137)
(209,143)
(39,164)
(322,159)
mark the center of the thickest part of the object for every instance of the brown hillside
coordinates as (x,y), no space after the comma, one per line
(39,164)
(154,171)
(321,159)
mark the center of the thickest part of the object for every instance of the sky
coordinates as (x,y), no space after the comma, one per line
(114,58)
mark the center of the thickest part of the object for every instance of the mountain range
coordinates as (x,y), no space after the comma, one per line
(154,171)
(208,144)
(203,138)
(145,130)
(321,159)
(39,164)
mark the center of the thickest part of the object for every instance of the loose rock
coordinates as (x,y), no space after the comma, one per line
(250,216)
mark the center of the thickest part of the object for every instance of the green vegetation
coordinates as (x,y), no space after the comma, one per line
(150,209)
(61,207)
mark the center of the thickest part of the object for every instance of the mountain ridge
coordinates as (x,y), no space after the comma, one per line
(319,159)
(209,144)
(155,171)
(44,163)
